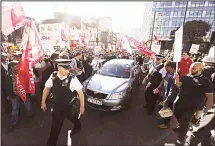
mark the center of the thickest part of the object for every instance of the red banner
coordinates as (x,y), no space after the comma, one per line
(141,47)
(32,53)
(63,36)
(13,17)
(119,45)
(156,40)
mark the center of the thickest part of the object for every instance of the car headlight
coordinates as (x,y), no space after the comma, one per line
(117,95)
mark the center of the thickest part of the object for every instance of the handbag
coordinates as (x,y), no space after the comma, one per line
(165,112)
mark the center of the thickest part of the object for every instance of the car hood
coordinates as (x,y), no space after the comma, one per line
(107,84)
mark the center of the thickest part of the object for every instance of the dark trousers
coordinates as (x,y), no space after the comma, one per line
(203,134)
(151,99)
(58,116)
(5,104)
(184,117)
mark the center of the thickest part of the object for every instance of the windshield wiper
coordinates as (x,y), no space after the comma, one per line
(112,75)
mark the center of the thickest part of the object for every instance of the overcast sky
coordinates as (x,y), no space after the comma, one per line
(126,15)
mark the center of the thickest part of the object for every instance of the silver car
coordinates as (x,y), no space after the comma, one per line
(111,88)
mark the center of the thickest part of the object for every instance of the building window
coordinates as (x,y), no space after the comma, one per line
(49,28)
(182,14)
(193,13)
(174,22)
(154,4)
(178,3)
(202,3)
(57,42)
(162,4)
(167,23)
(166,14)
(175,14)
(209,13)
(211,2)
(42,29)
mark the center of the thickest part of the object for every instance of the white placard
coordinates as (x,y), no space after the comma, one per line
(211,52)
(156,48)
(48,46)
(194,48)
(177,47)
(97,50)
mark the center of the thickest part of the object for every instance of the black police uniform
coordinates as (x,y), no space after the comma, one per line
(65,105)
(154,80)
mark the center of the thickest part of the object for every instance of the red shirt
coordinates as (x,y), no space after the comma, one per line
(184,66)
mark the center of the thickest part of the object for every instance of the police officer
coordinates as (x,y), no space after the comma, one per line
(156,73)
(65,87)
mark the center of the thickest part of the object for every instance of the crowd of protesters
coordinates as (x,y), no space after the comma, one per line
(192,82)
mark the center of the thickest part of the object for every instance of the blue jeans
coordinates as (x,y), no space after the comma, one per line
(15,101)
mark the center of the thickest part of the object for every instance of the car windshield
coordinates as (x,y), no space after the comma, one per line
(116,70)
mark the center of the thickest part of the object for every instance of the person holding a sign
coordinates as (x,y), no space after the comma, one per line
(195,89)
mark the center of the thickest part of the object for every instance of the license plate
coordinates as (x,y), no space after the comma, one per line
(94,101)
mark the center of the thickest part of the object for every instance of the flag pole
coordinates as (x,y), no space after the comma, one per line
(152,34)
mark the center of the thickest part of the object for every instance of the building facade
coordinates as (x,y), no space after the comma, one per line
(147,17)
(170,15)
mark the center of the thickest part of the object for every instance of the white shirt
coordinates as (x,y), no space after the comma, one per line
(40,64)
(163,72)
(5,66)
(74,84)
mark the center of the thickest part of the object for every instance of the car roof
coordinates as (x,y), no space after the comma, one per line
(121,61)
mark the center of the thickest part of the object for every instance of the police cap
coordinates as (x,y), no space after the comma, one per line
(65,63)
(159,56)
(3,54)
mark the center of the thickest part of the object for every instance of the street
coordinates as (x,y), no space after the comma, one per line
(131,127)
(126,127)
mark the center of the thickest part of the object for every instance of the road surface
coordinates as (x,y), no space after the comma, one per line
(127,127)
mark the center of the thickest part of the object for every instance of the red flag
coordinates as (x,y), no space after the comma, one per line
(83,40)
(63,36)
(156,40)
(13,17)
(142,47)
(32,53)
(119,45)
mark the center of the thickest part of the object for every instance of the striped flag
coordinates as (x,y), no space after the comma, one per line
(142,47)
(13,17)
(32,53)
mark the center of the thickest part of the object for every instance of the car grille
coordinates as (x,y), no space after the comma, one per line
(97,95)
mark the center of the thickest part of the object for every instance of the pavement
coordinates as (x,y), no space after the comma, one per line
(126,127)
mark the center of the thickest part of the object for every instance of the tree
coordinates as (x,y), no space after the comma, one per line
(193,32)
